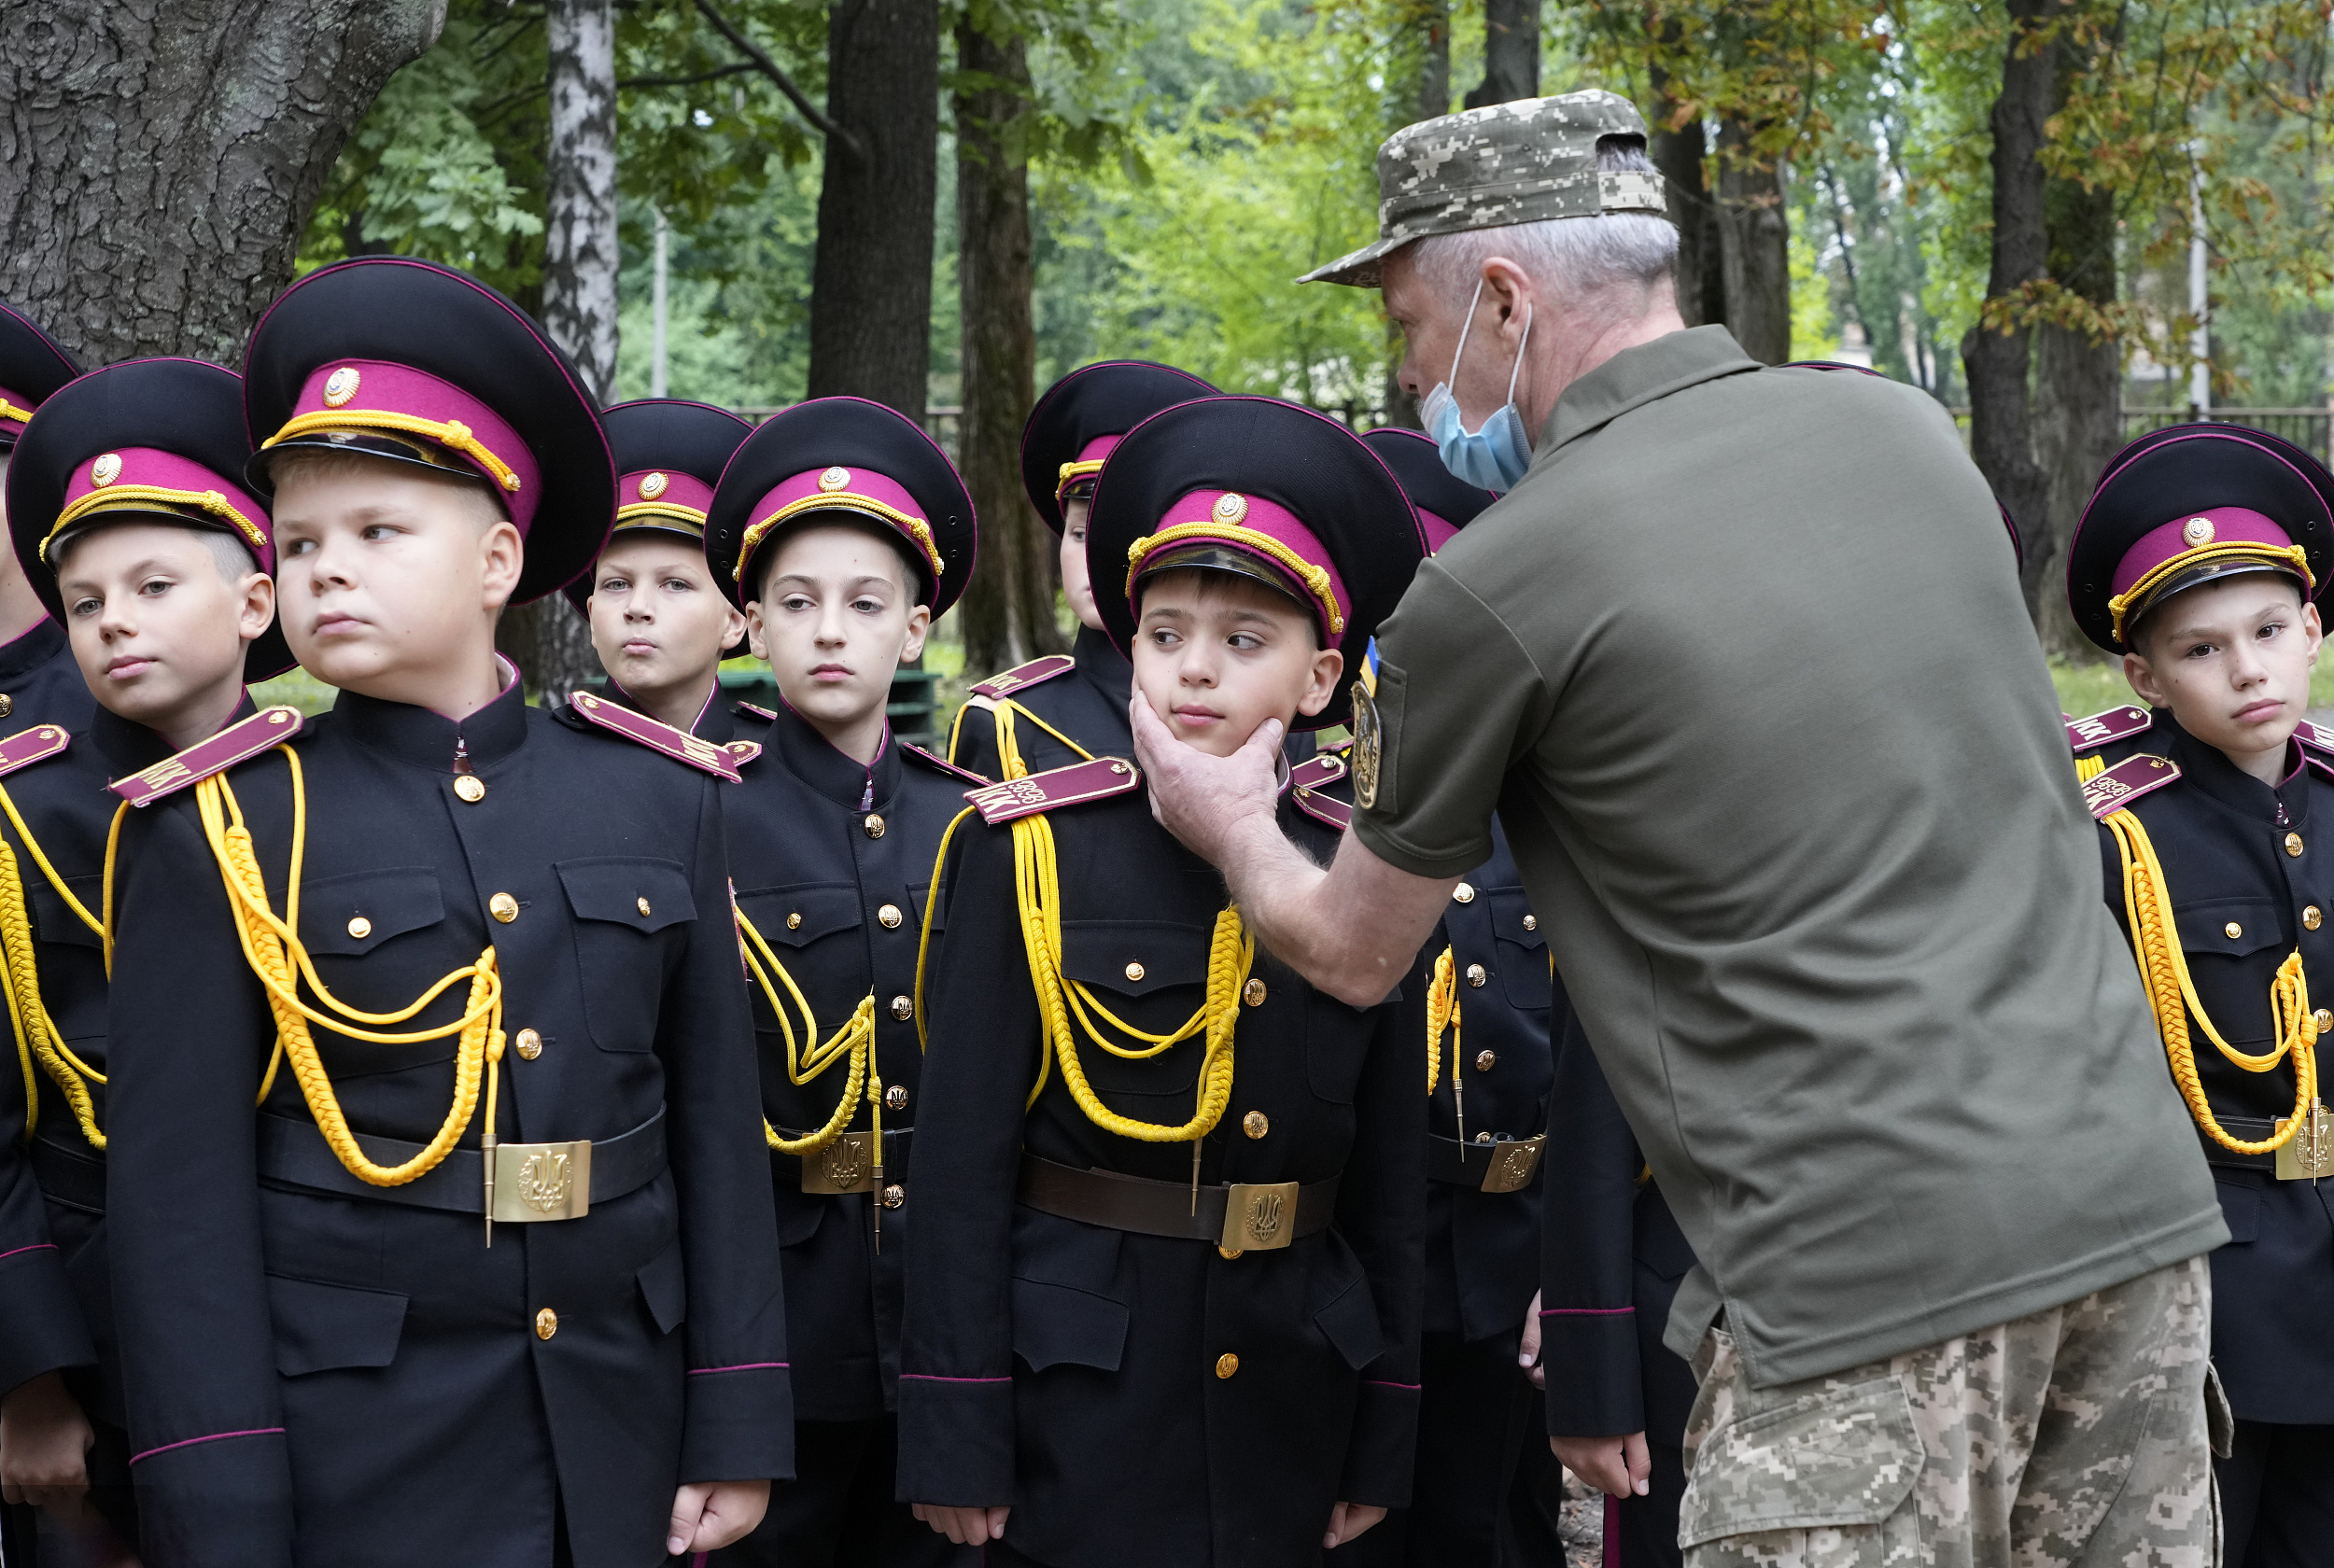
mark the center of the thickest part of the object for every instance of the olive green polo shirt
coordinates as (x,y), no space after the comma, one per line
(1743,666)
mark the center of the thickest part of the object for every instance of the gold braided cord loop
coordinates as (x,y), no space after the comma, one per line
(923,935)
(38,1037)
(2089,768)
(853,1043)
(272,948)
(2164,975)
(1442,1013)
(120,497)
(1231,954)
(2293,555)
(452,434)
(1009,763)
(1314,577)
(15,415)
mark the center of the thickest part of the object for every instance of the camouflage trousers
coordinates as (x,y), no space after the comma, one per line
(2076,1435)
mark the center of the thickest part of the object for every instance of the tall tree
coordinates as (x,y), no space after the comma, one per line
(1423,42)
(1679,147)
(162,159)
(871,274)
(1009,607)
(1753,241)
(1511,53)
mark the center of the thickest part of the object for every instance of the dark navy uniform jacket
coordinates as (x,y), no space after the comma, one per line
(1075,1371)
(1088,703)
(39,682)
(832,861)
(328,1378)
(2243,901)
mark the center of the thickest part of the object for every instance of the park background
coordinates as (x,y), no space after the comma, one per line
(2068,220)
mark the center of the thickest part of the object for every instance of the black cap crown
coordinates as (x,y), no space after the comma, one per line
(1105,398)
(669,453)
(33,366)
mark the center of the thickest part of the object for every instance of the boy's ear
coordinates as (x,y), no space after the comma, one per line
(1329,664)
(754,643)
(503,554)
(919,625)
(2141,676)
(257,611)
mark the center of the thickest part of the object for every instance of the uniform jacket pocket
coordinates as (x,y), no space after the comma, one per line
(798,917)
(621,903)
(347,916)
(665,1288)
(1519,951)
(321,1327)
(2205,926)
(1350,1319)
(53,919)
(1852,1456)
(1152,974)
(1056,1324)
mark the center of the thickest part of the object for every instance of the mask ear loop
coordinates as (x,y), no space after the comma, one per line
(1465,327)
(1529,314)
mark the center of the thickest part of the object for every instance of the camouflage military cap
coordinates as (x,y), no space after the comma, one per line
(1504,163)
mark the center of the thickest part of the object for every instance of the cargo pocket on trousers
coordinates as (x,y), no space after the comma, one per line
(1835,1459)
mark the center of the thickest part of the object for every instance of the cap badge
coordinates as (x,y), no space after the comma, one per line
(105,469)
(835,478)
(2197,531)
(653,486)
(340,386)
(1231,508)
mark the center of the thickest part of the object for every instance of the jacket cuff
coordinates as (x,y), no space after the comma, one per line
(956,1441)
(739,1424)
(1381,1455)
(40,1318)
(1594,1386)
(221,1501)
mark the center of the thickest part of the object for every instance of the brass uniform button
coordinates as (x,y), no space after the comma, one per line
(2324,1019)
(889,916)
(1463,894)
(793,922)
(1253,992)
(893,1196)
(7,705)
(1134,972)
(1227,1254)
(530,1045)
(1256,1124)
(503,907)
(2311,918)
(546,1323)
(1486,1060)
(641,904)
(903,1008)
(2233,929)
(469,787)
(1482,1137)
(1477,974)
(359,927)
(1531,922)
(895,1097)
(1227,1364)
(873,824)
(2293,844)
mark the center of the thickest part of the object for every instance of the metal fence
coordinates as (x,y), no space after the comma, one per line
(2308,428)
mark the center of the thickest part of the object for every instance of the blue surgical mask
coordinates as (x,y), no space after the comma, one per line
(1494,457)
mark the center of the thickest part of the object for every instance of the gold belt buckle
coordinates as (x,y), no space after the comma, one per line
(2308,1154)
(1512,1162)
(1259,1216)
(845,1166)
(537,1181)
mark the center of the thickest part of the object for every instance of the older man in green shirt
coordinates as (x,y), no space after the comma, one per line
(1741,662)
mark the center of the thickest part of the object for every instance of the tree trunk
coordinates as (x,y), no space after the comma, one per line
(1009,606)
(551,645)
(1430,99)
(1754,245)
(1511,53)
(1680,156)
(580,233)
(871,273)
(1996,361)
(2079,392)
(161,160)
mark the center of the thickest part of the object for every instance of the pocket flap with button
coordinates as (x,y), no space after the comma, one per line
(352,915)
(797,916)
(1510,908)
(1134,957)
(1057,1325)
(320,1328)
(53,919)
(1853,1455)
(665,1288)
(919,894)
(646,894)
(2205,926)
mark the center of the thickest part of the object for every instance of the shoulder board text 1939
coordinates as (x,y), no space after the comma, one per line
(2110,792)
(1007,681)
(1098,779)
(938,763)
(680,744)
(2117,723)
(268,727)
(27,747)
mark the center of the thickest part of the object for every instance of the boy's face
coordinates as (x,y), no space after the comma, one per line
(388,578)
(1077,585)
(835,620)
(658,620)
(152,620)
(2231,659)
(1216,655)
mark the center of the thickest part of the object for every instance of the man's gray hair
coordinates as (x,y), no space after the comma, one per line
(1571,257)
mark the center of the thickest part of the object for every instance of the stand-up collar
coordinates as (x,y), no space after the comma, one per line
(1104,665)
(129,747)
(1637,376)
(2208,769)
(714,721)
(431,740)
(809,756)
(30,650)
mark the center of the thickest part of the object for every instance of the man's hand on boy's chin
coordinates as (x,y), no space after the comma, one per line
(1201,799)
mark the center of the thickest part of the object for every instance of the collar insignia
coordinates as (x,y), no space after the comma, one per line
(270,726)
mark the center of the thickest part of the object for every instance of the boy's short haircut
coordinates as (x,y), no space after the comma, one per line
(229,554)
(1215,579)
(911,578)
(318,463)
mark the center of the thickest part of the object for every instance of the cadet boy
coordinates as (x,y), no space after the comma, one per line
(842,531)
(39,681)
(436,1300)
(659,622)
(1162,1289)
(1064,708)
(129,518)
(1483,1458)
(2202,559)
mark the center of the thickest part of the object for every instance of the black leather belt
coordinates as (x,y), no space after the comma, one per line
(70,1175)
(847,1164)
(1505,1165)
(295,1153)
(2245,1129)
(1243,1216)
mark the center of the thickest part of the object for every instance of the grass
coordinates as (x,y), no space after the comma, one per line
(2089,688)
